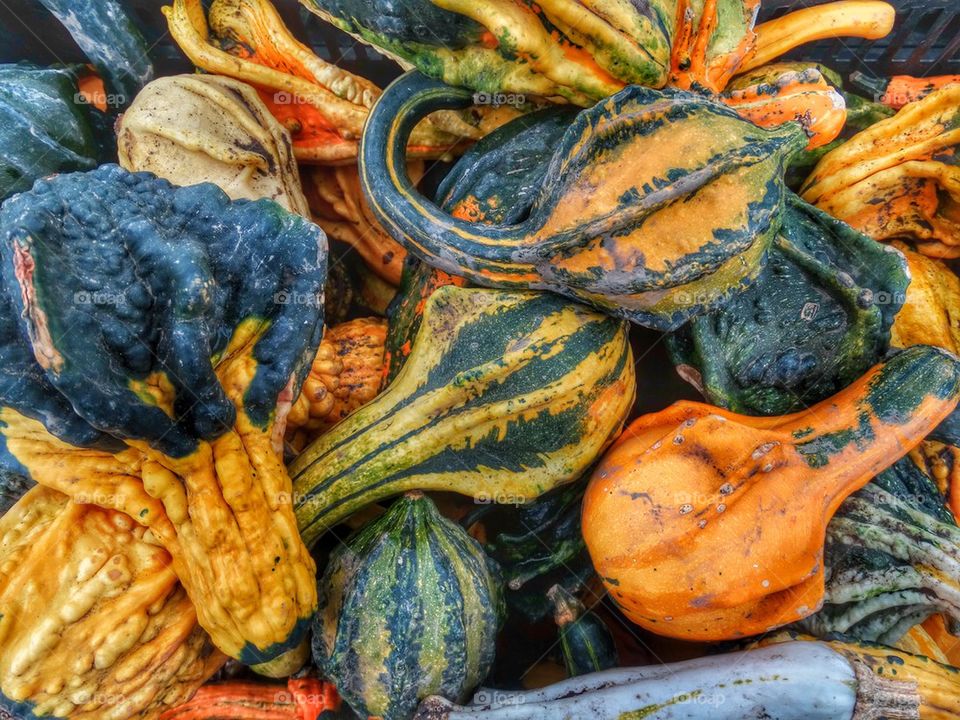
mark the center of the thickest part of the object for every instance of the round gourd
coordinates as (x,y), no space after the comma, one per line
(409,608)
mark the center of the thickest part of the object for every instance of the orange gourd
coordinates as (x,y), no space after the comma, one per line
(709,525)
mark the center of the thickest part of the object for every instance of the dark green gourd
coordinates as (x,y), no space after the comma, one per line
(818,316)
(585,642)
(409,607)
(655,206)
(892,557)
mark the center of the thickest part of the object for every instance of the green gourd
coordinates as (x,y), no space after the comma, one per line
(585,642)
(409,607)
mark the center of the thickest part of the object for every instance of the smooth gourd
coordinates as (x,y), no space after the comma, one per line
(682,484)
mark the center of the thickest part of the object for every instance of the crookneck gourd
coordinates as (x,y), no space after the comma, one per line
(147,370)
(682,483)
(818,316)
(655,206)
(503,396)
(778,681)
(94,624)
(585,642)
(899,178)
(892,558)
(323,106)
(409,607)
(204,128)
(581,52)
(346,374)
(49,133)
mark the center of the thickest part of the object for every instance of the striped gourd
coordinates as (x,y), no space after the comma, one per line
(504,396)
(409,607)
(655,205)
(585,642)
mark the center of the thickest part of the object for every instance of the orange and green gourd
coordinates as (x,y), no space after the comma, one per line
(680,483)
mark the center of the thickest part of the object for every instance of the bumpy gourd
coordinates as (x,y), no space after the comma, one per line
(409,607)
(50,133)
(650,230)
(818,316)
(783,681)
(892,557)
(323,106)
(504,395)
(93,622)
(897,179)
(346,374)
(190,129)
(683,482)
(137,330)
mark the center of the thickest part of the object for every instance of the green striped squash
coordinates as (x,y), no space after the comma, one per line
(655,205)
(409,607)
(504,396)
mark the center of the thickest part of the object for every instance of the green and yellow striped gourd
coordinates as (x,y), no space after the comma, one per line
(409,607)
(504,396)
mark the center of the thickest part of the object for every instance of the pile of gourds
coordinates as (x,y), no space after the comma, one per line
(267,408)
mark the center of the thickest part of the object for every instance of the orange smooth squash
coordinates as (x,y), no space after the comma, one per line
(709,525)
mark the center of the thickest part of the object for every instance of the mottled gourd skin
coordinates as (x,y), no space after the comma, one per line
(43,129)
(119,640)
(891,556)
(409,607)
(649,230)
(181,323)
(818,316)
(504,396)
(681,483)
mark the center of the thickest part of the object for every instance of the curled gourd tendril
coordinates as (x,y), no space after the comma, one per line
(162,328)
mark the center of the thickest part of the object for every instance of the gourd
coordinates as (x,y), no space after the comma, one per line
(503,395)
(671,231)
(582,52)
(152,370)
(112,42)
(799,680)
(299,699)
(323,106)
(190,129)
(536,544)
(346,374)
(931,310)
(50,133)
(900,90)
(892,555)
(780,92)
(585,642)
(681,483)
(338,206)
(409,607)
(817,318)
(896,179)
(941,462)
(93,622)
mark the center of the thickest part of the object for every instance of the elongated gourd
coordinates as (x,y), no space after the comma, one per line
(298,699)
(409,607)
(682,483)
(504,395)
(817,318)
(118,639)
(799,680)
(646,229)
(153,369)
